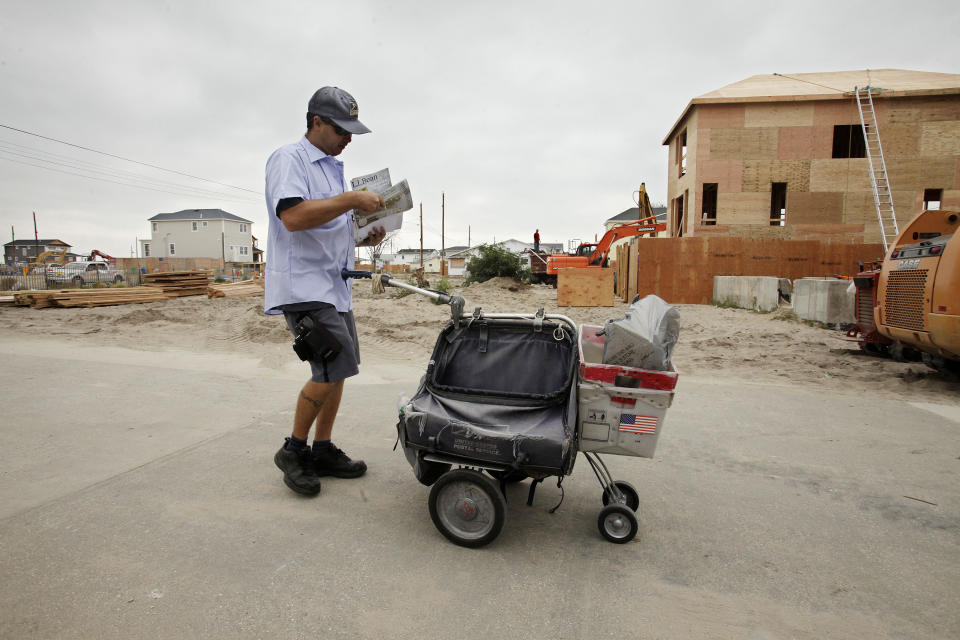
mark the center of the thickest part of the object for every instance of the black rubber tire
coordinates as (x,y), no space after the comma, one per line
(467,508)
(77,281)
(118,279)
(629,492)
(618,524)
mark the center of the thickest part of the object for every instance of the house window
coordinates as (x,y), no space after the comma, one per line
(173,249)
(244,251)
(204,224)
(848,141)
(194,226)
(932,199)
(146,249)
(154,226)
(243,228)
(709,199)
(778,204)
(682,152)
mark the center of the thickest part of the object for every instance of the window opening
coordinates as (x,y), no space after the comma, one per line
(173,249)
(146,250)
(932,199)
(678,217)
(194,226)
(709,211)
(848,141)
(778,204)
(682,152)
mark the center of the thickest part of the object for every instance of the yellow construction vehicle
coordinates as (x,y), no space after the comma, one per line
(910,304)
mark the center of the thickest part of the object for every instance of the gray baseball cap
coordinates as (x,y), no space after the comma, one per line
(339,106)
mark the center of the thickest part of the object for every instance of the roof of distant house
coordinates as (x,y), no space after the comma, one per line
(634,214)
(829,85)
(198,214)
(409,251)
(32,243)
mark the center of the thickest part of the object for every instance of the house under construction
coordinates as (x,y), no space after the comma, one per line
(848,154)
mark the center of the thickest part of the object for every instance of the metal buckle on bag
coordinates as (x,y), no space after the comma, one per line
(538,321)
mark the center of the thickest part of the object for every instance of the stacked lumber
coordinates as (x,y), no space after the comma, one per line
(88,297)
(179,283)
(244,288)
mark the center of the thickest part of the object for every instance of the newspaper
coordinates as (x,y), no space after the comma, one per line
(396,197)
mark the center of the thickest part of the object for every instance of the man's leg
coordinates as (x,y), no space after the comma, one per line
(328,459)
(318,401)
(295,459)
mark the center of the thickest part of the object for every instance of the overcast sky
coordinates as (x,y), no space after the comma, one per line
(526,115)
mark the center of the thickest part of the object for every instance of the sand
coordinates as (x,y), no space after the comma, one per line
(772,348)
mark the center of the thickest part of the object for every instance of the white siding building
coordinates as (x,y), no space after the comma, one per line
(199,233)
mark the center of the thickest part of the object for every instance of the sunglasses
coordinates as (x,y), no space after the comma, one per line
(340,131)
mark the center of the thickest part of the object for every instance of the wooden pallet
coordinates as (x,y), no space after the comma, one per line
(179,283)
(240,289)
(88,297)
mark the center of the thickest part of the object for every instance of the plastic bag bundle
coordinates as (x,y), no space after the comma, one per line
(645,337)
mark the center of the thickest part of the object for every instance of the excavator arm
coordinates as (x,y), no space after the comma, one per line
(640,227)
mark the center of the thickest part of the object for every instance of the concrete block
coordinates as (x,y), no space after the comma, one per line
(760,293)
(826,300)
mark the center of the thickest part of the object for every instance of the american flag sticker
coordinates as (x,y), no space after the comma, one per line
(643,425)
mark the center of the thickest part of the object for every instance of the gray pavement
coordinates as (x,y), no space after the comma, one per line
(152,509)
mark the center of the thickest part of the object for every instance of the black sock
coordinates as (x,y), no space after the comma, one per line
(295,444)
(321,446)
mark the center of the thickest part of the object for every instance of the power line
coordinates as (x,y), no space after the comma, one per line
(111,155)
(809,82)
(118,174)
(125,184)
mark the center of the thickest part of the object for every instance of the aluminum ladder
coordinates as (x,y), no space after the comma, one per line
(878,168)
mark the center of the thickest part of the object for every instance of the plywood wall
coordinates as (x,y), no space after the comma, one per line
(681,270)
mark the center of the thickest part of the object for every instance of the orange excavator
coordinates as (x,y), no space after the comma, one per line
(544,268)
(595,255)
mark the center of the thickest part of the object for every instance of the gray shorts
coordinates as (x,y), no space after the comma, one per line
(344,329)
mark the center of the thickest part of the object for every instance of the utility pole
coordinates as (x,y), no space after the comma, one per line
(468,237)
(443,230)
(421,237)
(36,238)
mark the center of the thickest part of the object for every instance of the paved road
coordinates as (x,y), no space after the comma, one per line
(139,500)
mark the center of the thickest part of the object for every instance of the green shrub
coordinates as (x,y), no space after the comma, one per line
(496,262)
(444,286)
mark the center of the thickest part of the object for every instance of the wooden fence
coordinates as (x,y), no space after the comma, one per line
(681,270)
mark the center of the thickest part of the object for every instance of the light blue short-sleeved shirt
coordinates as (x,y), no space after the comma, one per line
(304,266)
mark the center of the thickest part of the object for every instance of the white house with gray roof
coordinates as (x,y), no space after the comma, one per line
(199,233)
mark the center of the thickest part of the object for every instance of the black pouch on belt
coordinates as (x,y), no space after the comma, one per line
(314,341)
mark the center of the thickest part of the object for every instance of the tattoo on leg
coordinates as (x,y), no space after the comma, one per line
(315,403)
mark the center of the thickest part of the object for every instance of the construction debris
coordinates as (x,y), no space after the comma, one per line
(88,297)
(244,288)
(179,283)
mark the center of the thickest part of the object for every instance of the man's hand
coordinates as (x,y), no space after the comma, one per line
(368,201)
(373,238)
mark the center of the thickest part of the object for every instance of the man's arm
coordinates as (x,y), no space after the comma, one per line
(314,213)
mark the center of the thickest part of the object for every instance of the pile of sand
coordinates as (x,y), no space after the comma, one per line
(714,342)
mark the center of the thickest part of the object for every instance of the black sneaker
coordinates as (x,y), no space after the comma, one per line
(334,462)
(297,467)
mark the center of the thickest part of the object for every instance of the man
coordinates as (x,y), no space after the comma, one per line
(310,241)
(536,241)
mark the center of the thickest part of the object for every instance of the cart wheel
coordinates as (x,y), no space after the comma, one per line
(617,523)
(631,495)
(467,508)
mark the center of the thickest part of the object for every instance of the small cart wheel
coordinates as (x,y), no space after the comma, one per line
(467,507)
(629,493)
(617,523)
